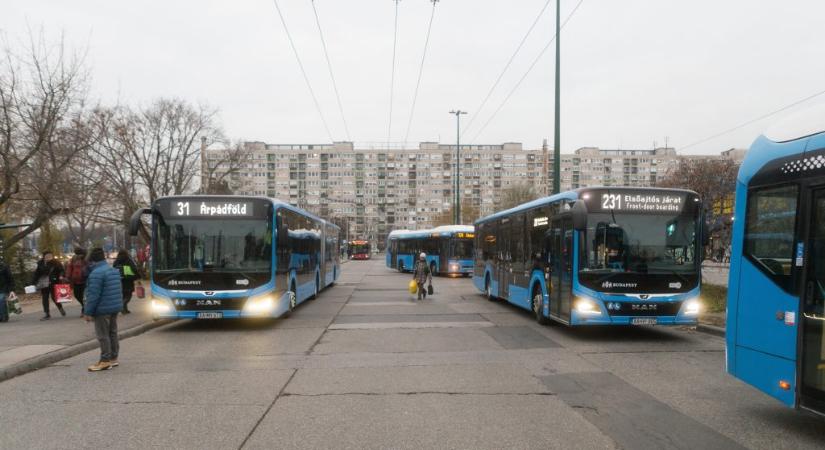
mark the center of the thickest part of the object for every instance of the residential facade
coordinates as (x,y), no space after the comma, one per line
(372,191)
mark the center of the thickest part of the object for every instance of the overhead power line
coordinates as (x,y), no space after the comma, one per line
(523,77)
(757,119)
(329,67)
(392,75)
(506,66)
(420,71)
(303,72)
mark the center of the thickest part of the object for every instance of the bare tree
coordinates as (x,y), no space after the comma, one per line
(221,164)
(42,95)
(714,180)
(517,194)
(469,214)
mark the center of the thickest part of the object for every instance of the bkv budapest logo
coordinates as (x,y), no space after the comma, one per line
(610,284)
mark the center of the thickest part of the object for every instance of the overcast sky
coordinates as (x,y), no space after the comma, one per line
(633,72)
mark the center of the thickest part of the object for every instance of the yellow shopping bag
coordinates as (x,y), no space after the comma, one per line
(413,287)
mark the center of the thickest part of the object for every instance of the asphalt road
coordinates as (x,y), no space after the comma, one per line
(363,366)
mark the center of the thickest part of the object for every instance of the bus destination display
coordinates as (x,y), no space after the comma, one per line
(645,202)
(211,209)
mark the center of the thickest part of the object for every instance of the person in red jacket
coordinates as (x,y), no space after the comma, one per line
(77,270)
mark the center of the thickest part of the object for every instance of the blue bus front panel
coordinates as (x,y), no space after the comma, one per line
(459,267)
(222,305)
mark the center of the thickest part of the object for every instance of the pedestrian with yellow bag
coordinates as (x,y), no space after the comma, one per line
(128,275)
(422,274)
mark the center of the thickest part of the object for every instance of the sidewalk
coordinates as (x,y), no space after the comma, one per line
(28,344)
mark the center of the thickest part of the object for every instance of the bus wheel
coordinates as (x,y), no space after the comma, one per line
(400,266)
(488,290)
(538,303)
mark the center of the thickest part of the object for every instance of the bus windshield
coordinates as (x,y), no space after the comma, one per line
(640,243)
(199,245)
(360,249)
(463,248)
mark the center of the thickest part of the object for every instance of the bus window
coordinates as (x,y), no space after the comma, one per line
(769,231)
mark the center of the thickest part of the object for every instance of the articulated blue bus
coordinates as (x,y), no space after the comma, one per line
(216,257)
(449,249)
(776,291)
(596,256)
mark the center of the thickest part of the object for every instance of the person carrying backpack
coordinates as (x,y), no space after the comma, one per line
(129,273)
(77,271)
(421,273)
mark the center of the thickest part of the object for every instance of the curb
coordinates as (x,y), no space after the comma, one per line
(39,362)
(711,329)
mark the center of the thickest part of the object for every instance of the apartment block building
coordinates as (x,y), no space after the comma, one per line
(372,191)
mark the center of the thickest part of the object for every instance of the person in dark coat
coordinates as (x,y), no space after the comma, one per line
(129,273)
(104,300)
(77,271)
(421,274)
(6,286)
(49,272)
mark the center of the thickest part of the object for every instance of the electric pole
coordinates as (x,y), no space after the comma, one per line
(557,137)
(457,205)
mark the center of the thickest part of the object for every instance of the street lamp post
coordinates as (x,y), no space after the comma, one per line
(557,135)
(457,205)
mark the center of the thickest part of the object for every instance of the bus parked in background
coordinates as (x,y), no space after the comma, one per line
(776,292)
(592,256)
(454,249)
(219,257)
(449,249)
(359,249)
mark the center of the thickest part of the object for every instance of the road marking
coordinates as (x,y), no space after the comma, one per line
(382,304)
(396,325)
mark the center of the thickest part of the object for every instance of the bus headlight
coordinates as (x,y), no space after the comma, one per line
(262,304)
(585,305)
(161,305)
(693,307)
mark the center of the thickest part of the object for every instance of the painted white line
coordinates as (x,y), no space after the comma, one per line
(382,304)
(396,325)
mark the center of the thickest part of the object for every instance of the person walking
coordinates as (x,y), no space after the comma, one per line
(421,274)
(6,286)
(104,300)
(76,272)
(49,272)
(128,274)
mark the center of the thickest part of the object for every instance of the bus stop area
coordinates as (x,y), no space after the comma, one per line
(366,366)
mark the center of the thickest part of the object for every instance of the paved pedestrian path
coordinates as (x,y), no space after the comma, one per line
(25,337)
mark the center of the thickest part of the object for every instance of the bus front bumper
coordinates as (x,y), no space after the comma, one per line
(271,305)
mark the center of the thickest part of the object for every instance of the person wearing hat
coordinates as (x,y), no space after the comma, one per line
(421,274)
(77,269)
(104,300)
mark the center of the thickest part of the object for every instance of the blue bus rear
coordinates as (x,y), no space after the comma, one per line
(236,257)
(596,256)
(776,293)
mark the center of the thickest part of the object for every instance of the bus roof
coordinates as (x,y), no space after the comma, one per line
(569,195)
(453,229)
(274,201)
(409,234)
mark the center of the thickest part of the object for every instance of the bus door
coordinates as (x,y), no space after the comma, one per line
(561,267)
(813,310)
(504,259)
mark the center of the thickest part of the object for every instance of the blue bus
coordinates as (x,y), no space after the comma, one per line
(596,256)
(449,249)
(776,291)
(218,257)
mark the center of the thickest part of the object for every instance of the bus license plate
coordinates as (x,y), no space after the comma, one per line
(210,315)
(643,321)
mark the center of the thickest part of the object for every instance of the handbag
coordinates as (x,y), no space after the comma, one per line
(430,289)
(62,293)
(13,304)
(413,287)
(140,291)
(42,282)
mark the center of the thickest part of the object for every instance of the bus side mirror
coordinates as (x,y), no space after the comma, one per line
(135,222)
(706,229)
(579,212)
